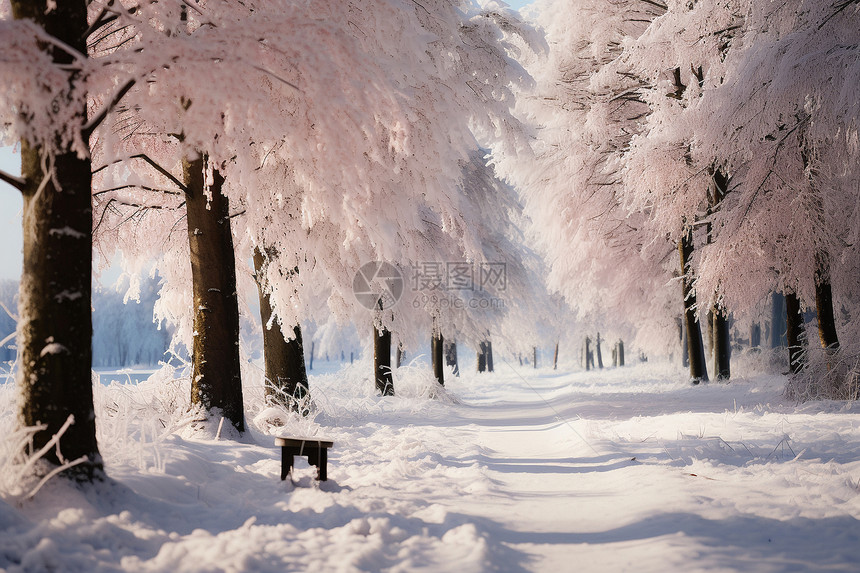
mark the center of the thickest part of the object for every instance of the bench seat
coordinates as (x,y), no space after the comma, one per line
(315,449)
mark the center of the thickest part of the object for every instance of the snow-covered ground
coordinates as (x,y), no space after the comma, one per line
(617,470)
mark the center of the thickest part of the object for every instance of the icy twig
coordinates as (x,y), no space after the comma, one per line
(54,472)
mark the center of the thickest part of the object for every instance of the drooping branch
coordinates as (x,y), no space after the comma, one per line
(154,164)
(105,35)
(16,182)
(106,16)
(10,313)
(276,76)
(133,186)
(91,126)
(161,170)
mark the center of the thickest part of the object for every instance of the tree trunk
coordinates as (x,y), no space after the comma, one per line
(755,335)
(382,361)
(824,309)
(722,345)
(437,346)
(620,353)
(778,323)
(709,321)
(55,322)
(682,335)
(286,377)
(588,359)
(451,356)
(794,332)
(54,333)
(695,349)
(534,357)
(555,357)
(718,319)
(311,356)
(216,382)
(599,354)
(485,356)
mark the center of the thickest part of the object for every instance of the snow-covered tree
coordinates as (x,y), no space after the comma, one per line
(47,79)
(787,116)
(360,160)
(680,55)
(586,107)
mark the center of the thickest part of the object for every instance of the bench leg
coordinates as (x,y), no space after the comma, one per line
(286,461)
(322,466)
(313,458)
(318,457)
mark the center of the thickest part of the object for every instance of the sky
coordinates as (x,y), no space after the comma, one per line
(517,4)
(10,217)
(11,204)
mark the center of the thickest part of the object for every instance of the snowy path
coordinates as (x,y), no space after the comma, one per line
(620,470)
(630,481)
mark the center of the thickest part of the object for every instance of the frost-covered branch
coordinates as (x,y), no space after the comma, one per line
(13,180)
(96,121)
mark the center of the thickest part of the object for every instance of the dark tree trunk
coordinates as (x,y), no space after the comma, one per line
(682,335)
(717,315)
(722,345)
(451,357)
(216,381)
(286,377)
(55,321)
(311,356)
(54,335)
(485,356)
(555,357)
(599,354)
(718,318)
(534,357)
(620,353)
(755,335)
(382,361)
(778,324)
(437,346)
(588,359)
(794,333)
(709,321)
(824,309)
(695,349)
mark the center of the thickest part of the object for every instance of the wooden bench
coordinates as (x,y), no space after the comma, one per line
(314,449)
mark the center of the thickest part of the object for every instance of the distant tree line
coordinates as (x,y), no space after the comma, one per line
(124,334)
